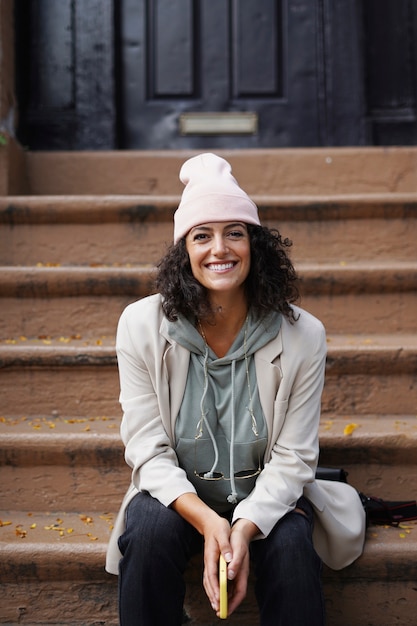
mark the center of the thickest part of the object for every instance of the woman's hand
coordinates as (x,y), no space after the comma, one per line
(220,538)
(242,533)
(216,532)
(216,535)
(237,558)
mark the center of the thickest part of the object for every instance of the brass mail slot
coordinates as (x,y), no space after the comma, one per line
(229,123)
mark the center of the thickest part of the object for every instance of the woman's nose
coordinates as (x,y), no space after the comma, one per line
(219,245)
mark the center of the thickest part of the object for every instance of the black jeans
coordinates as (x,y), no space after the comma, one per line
(158,544)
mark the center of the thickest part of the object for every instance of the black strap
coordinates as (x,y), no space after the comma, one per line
(388,512)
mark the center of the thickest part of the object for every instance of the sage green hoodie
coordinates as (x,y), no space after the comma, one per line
(220,432)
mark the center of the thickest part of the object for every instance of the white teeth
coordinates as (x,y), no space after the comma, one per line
(220,266)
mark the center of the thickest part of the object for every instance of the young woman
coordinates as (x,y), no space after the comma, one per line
(221,378)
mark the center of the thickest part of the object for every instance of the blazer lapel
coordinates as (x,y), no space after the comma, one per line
(176,361)
(269,376)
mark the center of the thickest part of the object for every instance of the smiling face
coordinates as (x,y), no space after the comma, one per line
(220,255)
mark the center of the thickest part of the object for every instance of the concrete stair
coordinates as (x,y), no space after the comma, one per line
(79,240)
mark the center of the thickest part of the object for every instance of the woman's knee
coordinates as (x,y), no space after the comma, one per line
(294,535)
(151,526)
(289,543)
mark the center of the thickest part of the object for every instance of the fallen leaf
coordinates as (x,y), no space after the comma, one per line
(20,532)
(349,428)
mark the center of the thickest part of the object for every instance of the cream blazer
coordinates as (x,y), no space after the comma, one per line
(290,375)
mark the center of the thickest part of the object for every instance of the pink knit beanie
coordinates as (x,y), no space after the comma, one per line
(211,194)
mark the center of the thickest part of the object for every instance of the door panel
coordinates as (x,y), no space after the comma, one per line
(64,74)
(257,50)
(171,62)
(391,61)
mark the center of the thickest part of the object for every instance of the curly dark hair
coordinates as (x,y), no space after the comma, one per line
(271,285)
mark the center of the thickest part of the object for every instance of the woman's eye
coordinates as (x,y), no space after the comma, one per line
(236,234)
(199,236)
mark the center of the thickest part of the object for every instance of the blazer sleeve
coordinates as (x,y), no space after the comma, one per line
(295,446)
(148,448)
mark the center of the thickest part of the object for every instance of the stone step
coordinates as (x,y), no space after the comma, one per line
(365,374)
(68,301)
(377,451)
(72,375)
(51,461)
(366,297)
(137,229)
(52,569)
(271,171)
(52,563)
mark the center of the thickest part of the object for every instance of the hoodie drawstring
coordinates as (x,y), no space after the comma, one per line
(232,498)
(204,419)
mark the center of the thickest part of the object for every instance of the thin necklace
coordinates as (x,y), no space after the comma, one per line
(203,334)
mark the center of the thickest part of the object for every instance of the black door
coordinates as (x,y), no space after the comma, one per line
(183,60)
(160,74)
(238,73)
